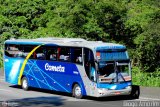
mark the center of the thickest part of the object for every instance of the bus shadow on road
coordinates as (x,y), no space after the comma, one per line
(43,90)
(35,102)
(42,101)
(110,98)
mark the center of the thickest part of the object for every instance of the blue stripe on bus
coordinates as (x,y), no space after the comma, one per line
(29,43)
(117,86)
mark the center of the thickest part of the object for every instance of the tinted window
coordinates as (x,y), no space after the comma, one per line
(27,50)
(64,54)
(51,53)
(40,53)
(76,55)
(14,51)
(23,50)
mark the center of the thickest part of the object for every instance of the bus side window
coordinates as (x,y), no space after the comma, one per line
(27,50)
(40,53)
(51,53)
(64,54)
(8,54)
(89,64)
(13,50)
(76,55)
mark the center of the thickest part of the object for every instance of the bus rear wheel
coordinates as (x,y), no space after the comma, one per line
(77,91)
(24,84)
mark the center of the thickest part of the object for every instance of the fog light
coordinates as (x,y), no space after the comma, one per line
(102,91)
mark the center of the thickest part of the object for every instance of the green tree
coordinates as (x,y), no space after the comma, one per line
(142,24)
(149,47)
(129,22)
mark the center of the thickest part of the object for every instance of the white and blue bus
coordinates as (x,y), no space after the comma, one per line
(72,65)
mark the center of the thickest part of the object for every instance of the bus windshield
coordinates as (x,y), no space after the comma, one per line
(114,71)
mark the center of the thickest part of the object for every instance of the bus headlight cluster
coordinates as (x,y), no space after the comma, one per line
(128,87)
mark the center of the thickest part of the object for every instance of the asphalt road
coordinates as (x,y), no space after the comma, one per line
(14,96)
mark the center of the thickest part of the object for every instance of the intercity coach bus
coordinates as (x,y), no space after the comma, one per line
(72,65)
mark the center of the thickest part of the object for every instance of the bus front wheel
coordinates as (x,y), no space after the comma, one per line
(24,83)
(77,91)
(135,92)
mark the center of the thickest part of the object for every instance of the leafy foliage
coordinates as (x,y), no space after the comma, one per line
(146,79)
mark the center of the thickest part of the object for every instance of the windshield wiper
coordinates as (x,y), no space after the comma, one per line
(117,73)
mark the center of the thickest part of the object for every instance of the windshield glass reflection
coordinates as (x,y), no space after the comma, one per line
(113,72)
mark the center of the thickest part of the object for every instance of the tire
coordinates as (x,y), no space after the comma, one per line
(135,92)
(77,91)
(24,84)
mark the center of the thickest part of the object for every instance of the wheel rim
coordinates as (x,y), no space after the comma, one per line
(78,91)
(136,93)
(24,83)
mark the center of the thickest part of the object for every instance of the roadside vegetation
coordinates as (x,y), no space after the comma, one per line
(142,78)
(134,23)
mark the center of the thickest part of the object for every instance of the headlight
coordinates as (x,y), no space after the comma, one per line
(113,87)
(128,87)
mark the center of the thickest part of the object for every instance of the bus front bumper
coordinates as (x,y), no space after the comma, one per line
(105,92)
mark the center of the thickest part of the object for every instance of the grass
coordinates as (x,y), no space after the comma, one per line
(145,79)
(1,56)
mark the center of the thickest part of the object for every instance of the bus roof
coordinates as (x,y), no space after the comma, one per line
(74,42)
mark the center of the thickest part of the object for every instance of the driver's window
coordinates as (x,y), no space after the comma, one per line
(89,64)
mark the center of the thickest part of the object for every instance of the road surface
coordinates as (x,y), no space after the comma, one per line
(14,96)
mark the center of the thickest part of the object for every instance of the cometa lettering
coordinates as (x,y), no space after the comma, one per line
(54,68)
